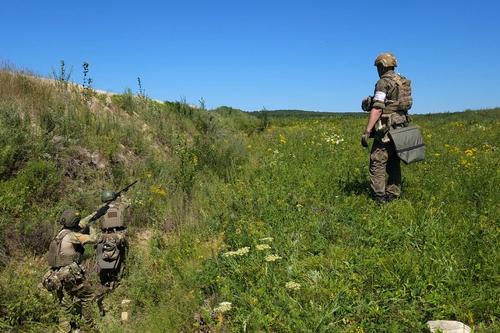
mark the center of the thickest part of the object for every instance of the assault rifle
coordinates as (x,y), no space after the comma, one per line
(104,208)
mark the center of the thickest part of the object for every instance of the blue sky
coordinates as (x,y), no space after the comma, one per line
(312,55)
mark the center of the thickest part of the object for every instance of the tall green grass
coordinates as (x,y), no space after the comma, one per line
(360,267)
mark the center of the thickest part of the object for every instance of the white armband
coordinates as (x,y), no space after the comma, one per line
(379,96)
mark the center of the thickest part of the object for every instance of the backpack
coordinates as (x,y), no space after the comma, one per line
(405,101)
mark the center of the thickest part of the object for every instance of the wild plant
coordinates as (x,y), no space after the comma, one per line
(88,91)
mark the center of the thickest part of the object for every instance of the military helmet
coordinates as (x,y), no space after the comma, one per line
(107,195)
(386,59)
(70,218)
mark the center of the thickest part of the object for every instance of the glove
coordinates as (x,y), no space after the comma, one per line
(364,140)
(366,104)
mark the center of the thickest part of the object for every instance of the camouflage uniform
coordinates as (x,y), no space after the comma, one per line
(114,233)
(66,279)
(383,158)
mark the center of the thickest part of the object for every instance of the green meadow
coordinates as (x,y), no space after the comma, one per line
(248,222)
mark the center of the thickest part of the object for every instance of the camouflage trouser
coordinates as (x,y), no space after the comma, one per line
(383,159)
(76,298)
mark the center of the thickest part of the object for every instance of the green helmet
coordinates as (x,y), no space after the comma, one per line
(107,195)
(386,59)
(70,218)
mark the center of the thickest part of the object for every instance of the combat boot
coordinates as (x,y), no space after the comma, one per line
(380,199)
(390,197)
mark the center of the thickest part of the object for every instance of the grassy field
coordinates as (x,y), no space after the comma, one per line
(345,264)
(250,223)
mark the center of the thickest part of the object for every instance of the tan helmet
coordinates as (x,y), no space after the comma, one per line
(386,59)
(70,218)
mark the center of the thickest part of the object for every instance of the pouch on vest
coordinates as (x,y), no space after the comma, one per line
(110,252)
(71,275)
(381,128)
(108,255)
(51,281)
(409,143)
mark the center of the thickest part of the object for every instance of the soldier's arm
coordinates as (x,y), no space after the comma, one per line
(98,213)
(374,115)
(85,221)
(379,97)
(81,238)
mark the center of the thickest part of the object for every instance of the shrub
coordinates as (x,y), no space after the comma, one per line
(14,140)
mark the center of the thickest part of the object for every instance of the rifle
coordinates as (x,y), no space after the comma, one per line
(104,208)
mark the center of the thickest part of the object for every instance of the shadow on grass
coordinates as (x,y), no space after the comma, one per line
(355,186)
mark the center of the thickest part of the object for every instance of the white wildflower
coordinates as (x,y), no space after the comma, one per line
(239,252)
(262,247)
(223,307)
(266,239)
(334,139)
(292,285)
(272,257)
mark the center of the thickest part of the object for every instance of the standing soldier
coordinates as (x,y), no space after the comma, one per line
(388,109)
(113,243)
(66,278)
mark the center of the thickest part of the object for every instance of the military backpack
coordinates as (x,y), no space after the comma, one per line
(405,100)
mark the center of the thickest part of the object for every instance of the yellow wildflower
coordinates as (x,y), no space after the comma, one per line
(464,162)
(156,189)
(470,152)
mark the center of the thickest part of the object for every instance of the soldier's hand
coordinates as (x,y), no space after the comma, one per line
(364,140)
(366,104)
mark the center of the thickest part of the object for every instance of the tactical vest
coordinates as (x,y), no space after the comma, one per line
(401,100)
(114,218)
(60,255)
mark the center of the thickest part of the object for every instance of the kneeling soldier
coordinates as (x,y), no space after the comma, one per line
(66,278)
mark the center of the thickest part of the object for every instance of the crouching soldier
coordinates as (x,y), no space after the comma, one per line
(112,246)
(66,278)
